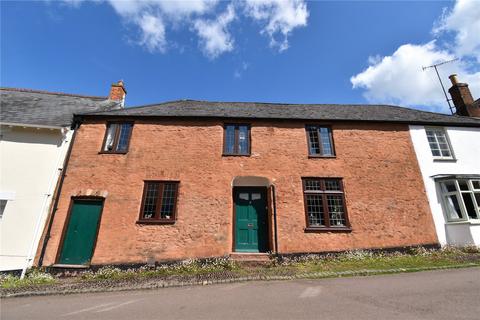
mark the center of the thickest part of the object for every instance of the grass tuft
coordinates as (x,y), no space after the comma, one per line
(34,277)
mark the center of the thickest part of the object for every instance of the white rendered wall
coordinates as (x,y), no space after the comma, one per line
(465,143)
(30,159)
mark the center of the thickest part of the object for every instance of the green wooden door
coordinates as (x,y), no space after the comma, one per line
(81,232)
(251,232)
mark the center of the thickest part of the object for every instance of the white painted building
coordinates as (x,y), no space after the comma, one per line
(35,135)
(449,159)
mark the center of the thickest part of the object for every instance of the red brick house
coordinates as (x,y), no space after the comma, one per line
(187,179)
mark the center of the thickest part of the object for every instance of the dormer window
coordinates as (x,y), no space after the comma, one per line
(439,143)
(117,137)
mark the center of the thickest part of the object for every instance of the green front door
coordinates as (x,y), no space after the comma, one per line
(251,232)
(81,232)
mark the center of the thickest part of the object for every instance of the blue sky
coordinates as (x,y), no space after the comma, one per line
(288,51)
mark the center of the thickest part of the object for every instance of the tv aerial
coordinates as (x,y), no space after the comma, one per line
(434,66)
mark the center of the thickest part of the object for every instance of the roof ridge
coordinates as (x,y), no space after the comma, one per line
(269,103)
(144,106)
(52,93)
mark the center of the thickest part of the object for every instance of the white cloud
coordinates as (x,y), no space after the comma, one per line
(168,7)
(238,73)
(280,18)
(399,79)
(214,36)
(153,33)
(464,21)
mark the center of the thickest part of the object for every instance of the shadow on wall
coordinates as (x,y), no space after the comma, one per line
(32,135)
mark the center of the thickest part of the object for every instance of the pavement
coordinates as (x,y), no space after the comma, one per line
(446,294)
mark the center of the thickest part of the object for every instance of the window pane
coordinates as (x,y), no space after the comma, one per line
(243,196)
(448,186)
(336,210)
(315,210)
(436,152)
(477,198)
(314,145)
(326,142)
(229,139)
(453,208)
(243,140)
(332,185)
(445,152)
(313,185)
(3,204)
(125,129)
(111,129)
(467,199)
(150,204)
(476,184)
(168,201)
(463,184)
(256,196)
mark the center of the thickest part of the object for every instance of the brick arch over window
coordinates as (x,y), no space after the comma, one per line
(250,181)
(90,193)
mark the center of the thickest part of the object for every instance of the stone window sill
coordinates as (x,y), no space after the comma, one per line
(325,229)
(472,222)
(444,160)
(167,222)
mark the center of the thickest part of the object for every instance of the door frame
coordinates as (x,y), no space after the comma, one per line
(67,222)
(267,218)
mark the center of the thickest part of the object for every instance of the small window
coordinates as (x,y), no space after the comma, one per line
(3,204)
(324,204)
(159,201)
(439,143)
(320,142)
(461,199)
(236,140)
(117,137)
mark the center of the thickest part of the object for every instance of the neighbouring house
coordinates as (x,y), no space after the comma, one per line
(35,135)
(449,159)
(195,179)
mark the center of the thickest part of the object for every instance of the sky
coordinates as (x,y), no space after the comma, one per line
(286,51)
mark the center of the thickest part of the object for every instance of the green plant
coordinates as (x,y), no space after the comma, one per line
(32,278)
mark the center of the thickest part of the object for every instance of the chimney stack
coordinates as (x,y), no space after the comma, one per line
(462,99)
(118,92)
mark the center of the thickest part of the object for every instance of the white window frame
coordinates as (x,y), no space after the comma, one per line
(458,193)
(449,144)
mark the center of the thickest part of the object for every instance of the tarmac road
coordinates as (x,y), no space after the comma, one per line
(447,294)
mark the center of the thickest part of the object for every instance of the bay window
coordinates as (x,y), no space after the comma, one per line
(461,199)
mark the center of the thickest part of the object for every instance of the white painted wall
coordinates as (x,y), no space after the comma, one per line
(465,143)
(30,159)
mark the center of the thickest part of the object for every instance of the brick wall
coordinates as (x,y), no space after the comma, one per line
(384,192)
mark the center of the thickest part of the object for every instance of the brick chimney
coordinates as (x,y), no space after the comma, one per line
(462,99)
(118,92)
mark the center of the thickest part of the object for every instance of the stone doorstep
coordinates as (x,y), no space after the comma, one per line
(250,257)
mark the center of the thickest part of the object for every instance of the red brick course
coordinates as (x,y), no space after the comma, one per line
(384,191)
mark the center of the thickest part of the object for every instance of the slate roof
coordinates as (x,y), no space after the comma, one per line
(254,110)
(32,107)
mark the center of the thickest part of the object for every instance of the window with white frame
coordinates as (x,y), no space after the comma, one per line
(439,143)
(461,199)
